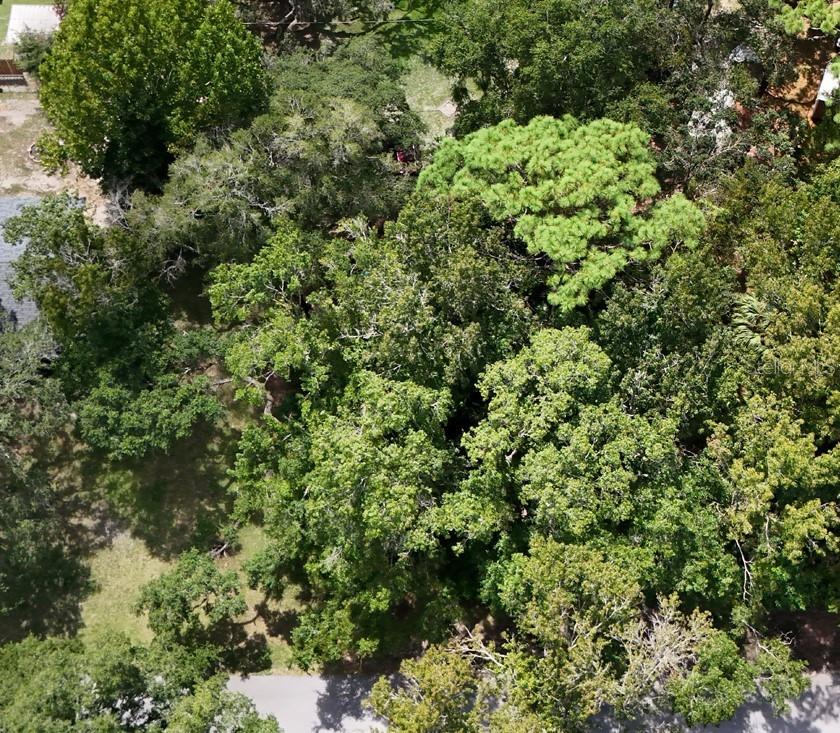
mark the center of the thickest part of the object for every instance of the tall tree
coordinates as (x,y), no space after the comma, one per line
(548,57)
(126,83)
(111,686)
(117,350)
(351,494)
(185,603)
(582,194)
(323,151)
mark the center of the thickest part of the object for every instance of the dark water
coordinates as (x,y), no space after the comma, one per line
(23,311)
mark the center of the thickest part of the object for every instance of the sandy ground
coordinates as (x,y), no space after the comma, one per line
(21,122)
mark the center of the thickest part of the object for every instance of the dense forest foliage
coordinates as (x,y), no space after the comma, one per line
(547,410)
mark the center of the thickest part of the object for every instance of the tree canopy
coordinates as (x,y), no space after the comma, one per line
(582,194)
(544,412)
(125,84)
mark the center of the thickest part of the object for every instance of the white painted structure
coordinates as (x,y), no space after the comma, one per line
(829,84)
(40,18)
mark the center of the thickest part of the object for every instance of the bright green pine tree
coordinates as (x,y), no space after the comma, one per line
(585,195)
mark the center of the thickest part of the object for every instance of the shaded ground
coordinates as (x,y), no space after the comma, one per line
(271,620)
(814,636)
(173,501)
(810,57)
(144,515)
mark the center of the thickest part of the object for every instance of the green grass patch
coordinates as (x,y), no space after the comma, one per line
(406,33)
(272,619)
(173,501)
(118,572)
(428,93)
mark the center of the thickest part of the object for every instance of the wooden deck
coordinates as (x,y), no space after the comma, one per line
(10,74)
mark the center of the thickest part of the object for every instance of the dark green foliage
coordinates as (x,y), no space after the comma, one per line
(548,57)
(126,425)
(433,302)
(546,412)
(354,509)
(41,579)
(63,686)
(119,355)
(31,48)
(32,406)
(662,66)
(322,152)
(184,604)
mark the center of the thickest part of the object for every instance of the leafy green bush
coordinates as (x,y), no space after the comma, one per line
(32,48)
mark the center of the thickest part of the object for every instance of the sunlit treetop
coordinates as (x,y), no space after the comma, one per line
(584,194)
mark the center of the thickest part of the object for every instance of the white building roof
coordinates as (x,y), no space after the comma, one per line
(41,18)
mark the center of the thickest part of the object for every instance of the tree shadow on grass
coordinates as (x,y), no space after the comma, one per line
(241,652)
(174,501)
(278,622)
(407,33)
(41,550)
(53,607)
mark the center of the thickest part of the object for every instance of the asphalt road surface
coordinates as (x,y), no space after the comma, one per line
(308,704)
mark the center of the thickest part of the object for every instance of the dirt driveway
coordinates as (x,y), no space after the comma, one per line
(21,122)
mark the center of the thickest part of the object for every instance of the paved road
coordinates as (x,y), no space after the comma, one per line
(817,711)
(307,704)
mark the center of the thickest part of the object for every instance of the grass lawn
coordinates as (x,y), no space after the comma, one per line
(119,570)
(269,619)
(5,12)
(117,573)
(427,92)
